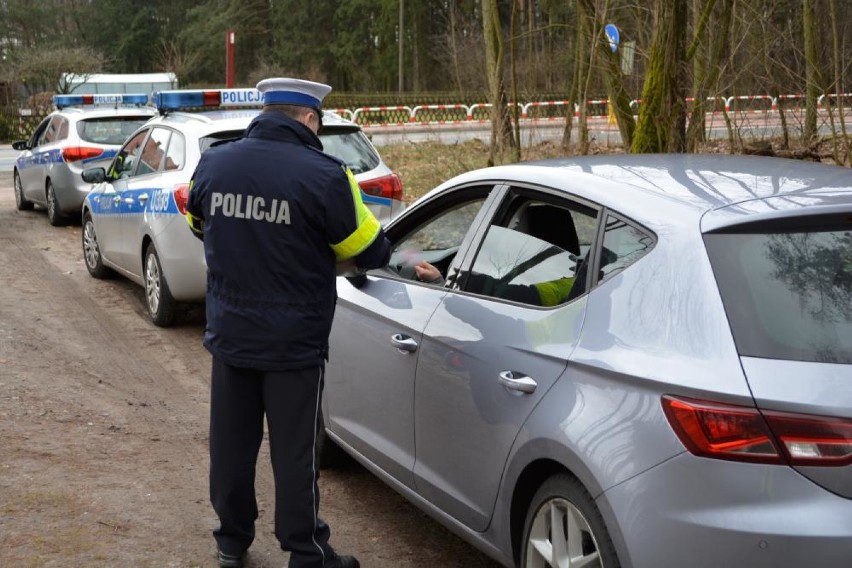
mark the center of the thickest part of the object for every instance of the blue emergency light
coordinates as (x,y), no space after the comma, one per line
(185,99)
(62,101)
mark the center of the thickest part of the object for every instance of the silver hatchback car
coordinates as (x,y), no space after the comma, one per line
(133,218)
(84,131)
(639,361)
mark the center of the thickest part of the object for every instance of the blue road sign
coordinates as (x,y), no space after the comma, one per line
(612,35)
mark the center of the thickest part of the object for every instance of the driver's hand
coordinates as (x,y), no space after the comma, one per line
(427,272)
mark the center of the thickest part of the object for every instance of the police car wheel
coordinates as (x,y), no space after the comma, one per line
(329,454)
(91,250)
(54,213)
(162,307)
(21,202)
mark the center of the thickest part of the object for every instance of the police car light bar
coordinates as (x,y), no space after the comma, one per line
(184,99)
(62,101)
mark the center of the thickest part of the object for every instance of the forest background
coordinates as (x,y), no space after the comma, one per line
(675,56)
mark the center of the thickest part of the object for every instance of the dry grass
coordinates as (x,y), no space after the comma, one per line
(424,165)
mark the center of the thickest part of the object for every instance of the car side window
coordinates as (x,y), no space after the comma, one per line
(176,153)
(533,253)
(63,129)
(436,240)
(623,244)
(126,159)
(51,131)
(38,133)
(153,152)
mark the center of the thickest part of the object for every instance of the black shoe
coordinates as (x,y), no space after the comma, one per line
(343,562)
(231,560)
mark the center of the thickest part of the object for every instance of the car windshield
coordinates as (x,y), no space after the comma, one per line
(352,147)
(788,295)
(109,129)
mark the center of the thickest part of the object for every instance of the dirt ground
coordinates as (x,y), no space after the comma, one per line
(103,431)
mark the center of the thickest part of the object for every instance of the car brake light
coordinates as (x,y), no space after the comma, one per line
(741,433)
(388,186)
(77,153)
(181,196)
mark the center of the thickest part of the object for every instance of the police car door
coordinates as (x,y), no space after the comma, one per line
(107,202)
(32,164)
(377,330)
(143,183)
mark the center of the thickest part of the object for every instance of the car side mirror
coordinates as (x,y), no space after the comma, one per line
(20,145)
(357,280)
(94,175)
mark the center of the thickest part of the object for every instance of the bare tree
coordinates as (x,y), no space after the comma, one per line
(501,130)
(662,115)
(811,70)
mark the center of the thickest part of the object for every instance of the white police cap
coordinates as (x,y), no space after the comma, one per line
(287,91)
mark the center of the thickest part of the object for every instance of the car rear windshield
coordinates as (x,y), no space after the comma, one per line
(109,129)
(351,146)
(206,141)
(788,295)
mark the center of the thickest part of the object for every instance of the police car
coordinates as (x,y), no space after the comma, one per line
(84,131)
(133,219)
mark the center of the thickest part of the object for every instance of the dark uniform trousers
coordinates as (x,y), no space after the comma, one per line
(291,402)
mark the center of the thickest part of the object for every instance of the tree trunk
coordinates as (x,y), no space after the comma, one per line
(662,118)
(501,132)
(707,73)
(811,71)
(846,159)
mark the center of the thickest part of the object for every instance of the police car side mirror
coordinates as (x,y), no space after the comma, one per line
(20,145)
(94,175)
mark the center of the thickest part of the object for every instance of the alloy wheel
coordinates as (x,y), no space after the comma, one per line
(91,252)
(153,283)
(560,537)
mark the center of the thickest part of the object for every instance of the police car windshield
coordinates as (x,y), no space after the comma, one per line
(109,130)
(207,141)
(352,147)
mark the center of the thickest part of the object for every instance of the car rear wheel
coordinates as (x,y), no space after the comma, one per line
(54,213)
(21,202)
(91,250)
(162,307)
(565,528)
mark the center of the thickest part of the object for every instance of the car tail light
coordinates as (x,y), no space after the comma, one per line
(742,433)
(181,195)
(388,186)
(77,153)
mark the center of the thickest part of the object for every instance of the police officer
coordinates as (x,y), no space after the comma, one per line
(277,217)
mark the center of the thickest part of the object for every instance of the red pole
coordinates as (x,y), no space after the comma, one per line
(229,59)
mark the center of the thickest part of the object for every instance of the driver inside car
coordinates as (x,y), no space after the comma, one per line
(550,293)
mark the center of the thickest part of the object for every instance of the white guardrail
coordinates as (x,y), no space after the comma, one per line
(401,115)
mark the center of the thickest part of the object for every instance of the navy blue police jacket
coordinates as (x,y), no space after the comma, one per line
(277,215)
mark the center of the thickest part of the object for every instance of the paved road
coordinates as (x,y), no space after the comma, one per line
(750,126)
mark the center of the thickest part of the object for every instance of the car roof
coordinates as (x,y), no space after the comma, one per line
(76,112)
(678,189)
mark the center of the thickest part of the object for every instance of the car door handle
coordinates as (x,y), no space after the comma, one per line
(143,198)
(521,383)
(404,343)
